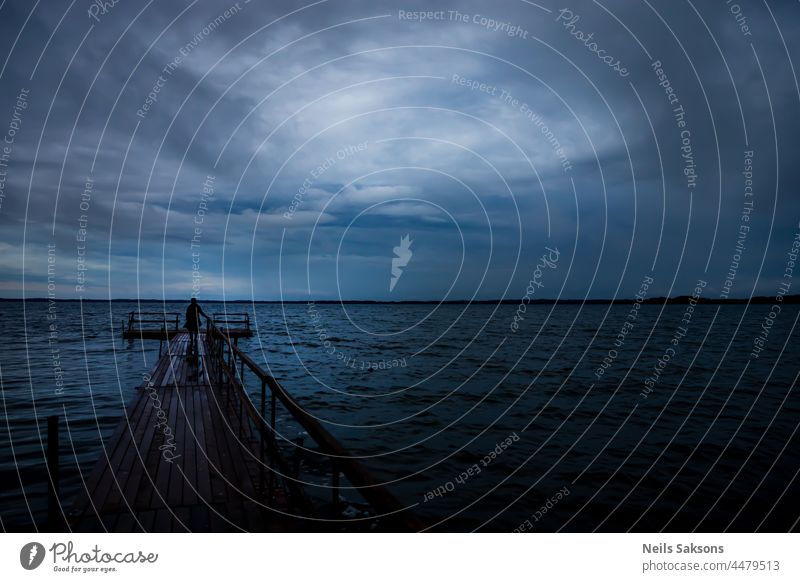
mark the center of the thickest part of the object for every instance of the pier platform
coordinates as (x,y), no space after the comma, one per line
(194,453)
(178,461)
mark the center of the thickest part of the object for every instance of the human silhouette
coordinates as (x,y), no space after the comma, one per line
(193,313)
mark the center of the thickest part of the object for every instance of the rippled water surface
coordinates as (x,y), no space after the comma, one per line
(481,426)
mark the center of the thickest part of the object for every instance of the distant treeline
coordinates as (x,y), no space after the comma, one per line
(679,300)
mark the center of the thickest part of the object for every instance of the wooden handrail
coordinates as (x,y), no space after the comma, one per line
(152,317)
(173,319)
(227,318)
(159,314)
(137,320)
(367,485)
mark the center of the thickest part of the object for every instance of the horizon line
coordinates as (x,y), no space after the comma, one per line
(792,299)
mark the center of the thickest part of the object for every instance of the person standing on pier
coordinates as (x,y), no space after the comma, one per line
(193,313)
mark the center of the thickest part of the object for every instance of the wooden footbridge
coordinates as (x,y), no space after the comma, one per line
(195,453)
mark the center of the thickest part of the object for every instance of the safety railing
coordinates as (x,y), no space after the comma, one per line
(153,325)
(137,319)
(229,320)
(228,364)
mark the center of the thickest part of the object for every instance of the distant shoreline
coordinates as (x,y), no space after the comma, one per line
(679,300)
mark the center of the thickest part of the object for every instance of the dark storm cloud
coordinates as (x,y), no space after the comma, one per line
(340,107)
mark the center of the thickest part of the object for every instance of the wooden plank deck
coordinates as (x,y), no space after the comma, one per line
(177,462)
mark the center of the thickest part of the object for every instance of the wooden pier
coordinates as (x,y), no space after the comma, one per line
(194,453)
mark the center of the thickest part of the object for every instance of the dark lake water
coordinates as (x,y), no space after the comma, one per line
(482,426)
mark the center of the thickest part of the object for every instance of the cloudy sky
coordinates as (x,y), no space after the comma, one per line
(275,150)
